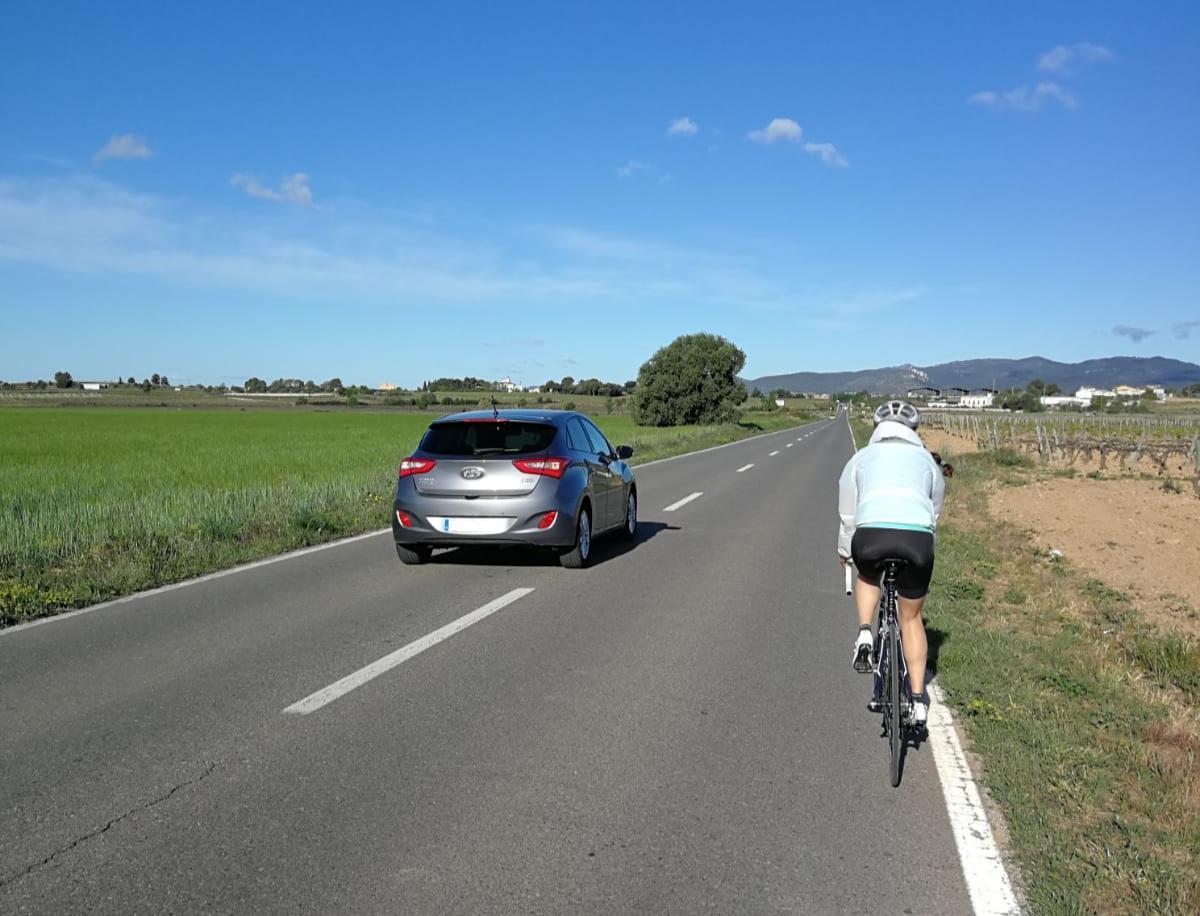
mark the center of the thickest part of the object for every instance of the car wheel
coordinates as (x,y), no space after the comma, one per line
(413,556)
(577,557)
(629,532)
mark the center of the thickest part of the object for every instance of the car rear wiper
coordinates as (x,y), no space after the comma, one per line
(490,451)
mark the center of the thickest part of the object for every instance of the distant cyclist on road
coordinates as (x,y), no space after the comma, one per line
(889,498)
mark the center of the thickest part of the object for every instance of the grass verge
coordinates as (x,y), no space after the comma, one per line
(95,504)
(1086,719)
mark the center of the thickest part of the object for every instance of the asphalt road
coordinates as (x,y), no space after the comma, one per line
(674,730)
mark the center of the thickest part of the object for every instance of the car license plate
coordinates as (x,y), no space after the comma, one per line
(469,525)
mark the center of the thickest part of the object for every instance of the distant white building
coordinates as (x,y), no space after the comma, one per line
(1061,400)
(507,384)
(978,400)
(1085,396)
(386,386)
(93,386)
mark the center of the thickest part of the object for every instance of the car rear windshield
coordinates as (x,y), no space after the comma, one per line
(470,440)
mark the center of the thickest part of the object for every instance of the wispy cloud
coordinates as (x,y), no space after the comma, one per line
(646,169)
(293,189)
(1183,329)
(122,146)
(1025,99)
(828,152)
(1137,335)
(778,129)
(1063,58)
(682,127)
(86,226)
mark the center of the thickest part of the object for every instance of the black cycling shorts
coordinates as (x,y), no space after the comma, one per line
(871,546)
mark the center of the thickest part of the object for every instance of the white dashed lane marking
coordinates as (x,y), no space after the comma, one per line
(683,502)
(326,695)
(745,468)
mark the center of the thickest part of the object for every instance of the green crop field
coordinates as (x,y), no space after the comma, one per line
(96,503)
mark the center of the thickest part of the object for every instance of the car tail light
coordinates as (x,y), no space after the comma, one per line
(543,467)
(403,518)
(411,466)
(547,520)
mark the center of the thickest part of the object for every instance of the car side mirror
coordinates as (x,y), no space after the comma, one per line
(624,452)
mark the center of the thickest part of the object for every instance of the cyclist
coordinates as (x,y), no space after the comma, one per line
(889,498)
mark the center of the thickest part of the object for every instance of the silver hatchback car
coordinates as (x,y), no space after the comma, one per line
(513,477)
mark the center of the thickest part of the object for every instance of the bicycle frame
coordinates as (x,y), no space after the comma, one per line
(887,619)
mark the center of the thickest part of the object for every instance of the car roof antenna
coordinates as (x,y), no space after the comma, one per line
(495,410)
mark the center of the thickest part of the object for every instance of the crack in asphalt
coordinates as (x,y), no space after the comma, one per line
(4,882)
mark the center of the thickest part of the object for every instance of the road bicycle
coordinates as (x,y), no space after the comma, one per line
(892,695)
(892,690)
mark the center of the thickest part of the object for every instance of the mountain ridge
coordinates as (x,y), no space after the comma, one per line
(1104,372)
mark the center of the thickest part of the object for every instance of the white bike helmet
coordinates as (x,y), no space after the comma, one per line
(900,411)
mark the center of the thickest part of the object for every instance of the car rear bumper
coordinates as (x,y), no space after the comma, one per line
(523,531)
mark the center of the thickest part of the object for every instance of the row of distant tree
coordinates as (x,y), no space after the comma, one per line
(256,385)
(568,385)
(64,380)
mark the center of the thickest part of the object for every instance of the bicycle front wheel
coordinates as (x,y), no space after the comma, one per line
(895,735)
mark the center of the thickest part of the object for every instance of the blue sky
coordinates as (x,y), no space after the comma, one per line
(395,192)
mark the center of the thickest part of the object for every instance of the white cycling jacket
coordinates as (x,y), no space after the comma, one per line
(893,482)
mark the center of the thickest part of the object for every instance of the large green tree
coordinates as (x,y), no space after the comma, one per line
(691,380)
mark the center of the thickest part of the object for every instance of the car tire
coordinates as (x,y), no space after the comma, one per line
(415,555)
(577,557)
(629,529)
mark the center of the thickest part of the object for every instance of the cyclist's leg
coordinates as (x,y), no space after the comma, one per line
(912,632)
(863,550)
(866,599)
(913,586)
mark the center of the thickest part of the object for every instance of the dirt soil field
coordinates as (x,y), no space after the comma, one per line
(948,445)
(1129,534)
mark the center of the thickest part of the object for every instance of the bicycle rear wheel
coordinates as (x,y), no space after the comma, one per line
(895,735)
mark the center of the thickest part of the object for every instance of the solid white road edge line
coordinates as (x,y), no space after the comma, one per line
(745,467)
(987,881)
(683,502)
(326,695)
(278,558)
(983,869)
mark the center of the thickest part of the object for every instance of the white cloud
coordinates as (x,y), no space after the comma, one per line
(293,188)
(632,167)
(122,146)
(682,127)
(1062,58)
(778,129)
(1025,99)
(828,152)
